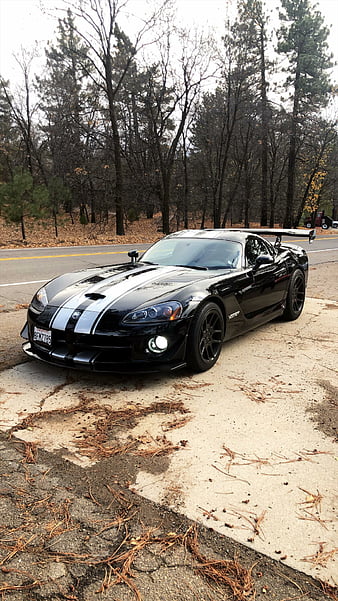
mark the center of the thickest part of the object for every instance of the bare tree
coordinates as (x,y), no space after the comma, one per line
(22,111)
(174,86)
(111,55)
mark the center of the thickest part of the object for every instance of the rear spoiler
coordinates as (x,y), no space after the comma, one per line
(310,234)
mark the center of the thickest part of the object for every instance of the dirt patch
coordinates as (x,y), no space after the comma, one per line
(326,414)
(11,352)
(323,281)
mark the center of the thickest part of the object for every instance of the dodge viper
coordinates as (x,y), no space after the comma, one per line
(172,307)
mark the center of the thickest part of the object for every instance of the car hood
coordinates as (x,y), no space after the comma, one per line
(123,287)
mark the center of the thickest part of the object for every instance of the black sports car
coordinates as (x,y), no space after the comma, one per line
(174,306)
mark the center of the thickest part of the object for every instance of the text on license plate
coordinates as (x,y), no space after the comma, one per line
(44,336)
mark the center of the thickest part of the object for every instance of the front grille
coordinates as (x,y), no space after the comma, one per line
(92,341)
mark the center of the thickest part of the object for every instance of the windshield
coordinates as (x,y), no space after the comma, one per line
(196,253)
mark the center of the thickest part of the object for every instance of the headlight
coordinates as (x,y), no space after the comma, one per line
(40,300)
(162,312)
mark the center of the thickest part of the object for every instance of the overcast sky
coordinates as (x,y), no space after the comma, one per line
(22,22)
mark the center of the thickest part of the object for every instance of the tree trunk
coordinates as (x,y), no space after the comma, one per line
(92,202)
(288,217)
(165,202)
(247,206)
(117,147)
(55,223)
(264,135)
(23,230)
(186,187)
(203,215)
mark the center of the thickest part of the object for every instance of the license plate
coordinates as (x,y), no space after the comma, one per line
(42,336)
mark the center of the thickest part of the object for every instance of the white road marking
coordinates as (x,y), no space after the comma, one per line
(23,283)
(322,250)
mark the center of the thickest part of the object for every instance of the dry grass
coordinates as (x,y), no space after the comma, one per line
(330,591)
(322,556)
(96,441)
(224,572)
(241,459)
(29,452)
(312,502)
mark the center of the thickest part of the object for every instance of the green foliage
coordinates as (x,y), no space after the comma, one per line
(19,198)
(83,219)
(59,193)
(303,39)
(133,214)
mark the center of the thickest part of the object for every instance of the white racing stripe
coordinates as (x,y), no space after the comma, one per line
(115,293)
(112,293)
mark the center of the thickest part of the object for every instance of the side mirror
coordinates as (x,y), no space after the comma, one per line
(133,254)
(263,260)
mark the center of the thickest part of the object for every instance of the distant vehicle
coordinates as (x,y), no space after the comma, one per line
(321,220)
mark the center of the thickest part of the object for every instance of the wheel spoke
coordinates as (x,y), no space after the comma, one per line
(298,294)
(210,336)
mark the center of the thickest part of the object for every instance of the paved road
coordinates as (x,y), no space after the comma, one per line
(22,271)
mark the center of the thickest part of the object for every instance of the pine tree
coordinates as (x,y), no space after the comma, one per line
(63,100)
(303,39)
(254,25)
(20,198)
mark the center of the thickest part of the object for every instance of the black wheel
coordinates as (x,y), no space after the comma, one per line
(296,296)
(205,337)
(325,226)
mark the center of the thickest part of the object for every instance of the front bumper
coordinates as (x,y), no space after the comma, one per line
(116,352)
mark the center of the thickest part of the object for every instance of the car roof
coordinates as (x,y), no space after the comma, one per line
(212,234)
(240,234)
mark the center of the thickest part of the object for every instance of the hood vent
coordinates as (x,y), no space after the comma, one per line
(94,296)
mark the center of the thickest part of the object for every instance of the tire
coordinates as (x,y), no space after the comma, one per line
(296,296)
(205,337)
(308,224)
(325,226)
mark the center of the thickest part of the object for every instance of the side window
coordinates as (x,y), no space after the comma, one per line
(253,248)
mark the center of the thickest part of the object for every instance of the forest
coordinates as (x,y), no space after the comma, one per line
(135,118)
